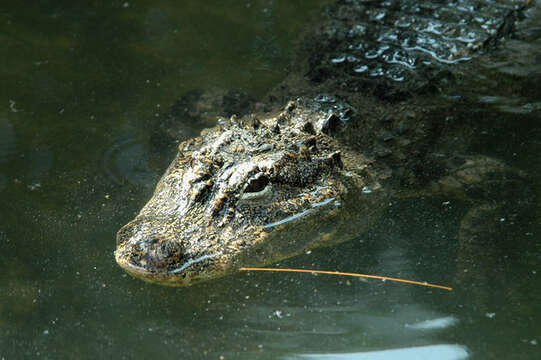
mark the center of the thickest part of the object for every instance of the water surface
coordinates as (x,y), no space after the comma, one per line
(83,89)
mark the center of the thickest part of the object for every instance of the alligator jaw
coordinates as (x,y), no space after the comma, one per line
(158,258)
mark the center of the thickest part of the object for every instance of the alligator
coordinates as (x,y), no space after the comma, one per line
(366,125)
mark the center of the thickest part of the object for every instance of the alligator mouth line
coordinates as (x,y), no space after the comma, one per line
(193,261)
(298,215)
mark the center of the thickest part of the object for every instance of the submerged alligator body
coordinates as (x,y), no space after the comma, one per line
(261,188)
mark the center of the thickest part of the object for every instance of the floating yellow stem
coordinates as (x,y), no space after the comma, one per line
(385,278)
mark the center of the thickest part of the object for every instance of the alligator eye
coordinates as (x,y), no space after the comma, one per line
(257,183)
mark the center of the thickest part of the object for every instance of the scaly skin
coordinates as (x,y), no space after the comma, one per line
(263,188)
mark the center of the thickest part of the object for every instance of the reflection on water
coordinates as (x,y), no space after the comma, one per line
(440,352)
(84,89)
(126,160)
(439,323)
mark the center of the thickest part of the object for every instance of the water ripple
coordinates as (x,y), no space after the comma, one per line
(127,160)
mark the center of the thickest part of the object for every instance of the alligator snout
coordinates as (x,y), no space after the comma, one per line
(157,256)
(155,252)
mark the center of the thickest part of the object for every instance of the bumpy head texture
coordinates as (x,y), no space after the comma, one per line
(231,196)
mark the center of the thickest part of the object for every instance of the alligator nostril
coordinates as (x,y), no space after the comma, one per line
(155,252)
(148,250)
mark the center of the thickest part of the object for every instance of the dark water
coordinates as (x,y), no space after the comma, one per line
(82,85)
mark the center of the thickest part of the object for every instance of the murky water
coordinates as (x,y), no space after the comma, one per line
(82,88)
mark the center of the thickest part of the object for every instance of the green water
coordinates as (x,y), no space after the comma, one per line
(82,87)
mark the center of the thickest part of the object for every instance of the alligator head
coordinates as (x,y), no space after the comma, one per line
(247,192)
